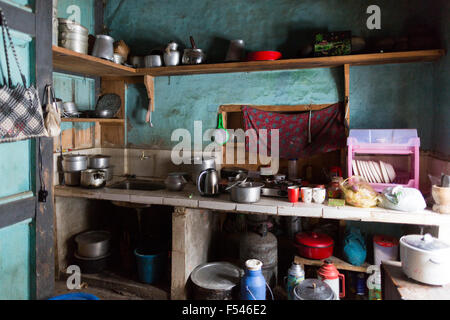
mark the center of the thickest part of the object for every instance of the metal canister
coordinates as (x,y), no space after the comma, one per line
(262,246)
(72,36)
(295,276)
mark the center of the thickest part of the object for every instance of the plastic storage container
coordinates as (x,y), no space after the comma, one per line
(385,248)
(386,142)
(150,266)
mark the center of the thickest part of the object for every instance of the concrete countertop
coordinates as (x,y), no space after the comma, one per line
(191,198)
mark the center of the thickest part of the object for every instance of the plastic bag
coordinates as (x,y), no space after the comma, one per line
(402,199)
(53,118)
(358,193)
(355,251)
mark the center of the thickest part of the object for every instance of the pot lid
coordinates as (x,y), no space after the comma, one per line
(216,276)
(314,239)
(234,170)
(385,241)
(99,156)
(247,185)
(74,157)
(424,242)
(313,289)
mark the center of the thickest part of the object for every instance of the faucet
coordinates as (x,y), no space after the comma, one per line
(143,156)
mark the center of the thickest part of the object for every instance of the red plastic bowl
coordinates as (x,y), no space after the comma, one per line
(263,55)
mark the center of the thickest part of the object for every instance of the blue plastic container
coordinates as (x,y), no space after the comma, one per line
(253,284)
(150,267)
(75,296)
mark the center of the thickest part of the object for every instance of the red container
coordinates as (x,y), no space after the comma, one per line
(293,194)
(314,245)
(263,55)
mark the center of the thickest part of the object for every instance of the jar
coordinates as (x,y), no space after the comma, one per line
(334,191)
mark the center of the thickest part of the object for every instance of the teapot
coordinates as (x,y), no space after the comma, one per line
(208,183)
(171,54)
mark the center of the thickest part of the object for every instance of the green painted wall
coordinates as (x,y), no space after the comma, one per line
(441,93)
(392,96)
(17,176)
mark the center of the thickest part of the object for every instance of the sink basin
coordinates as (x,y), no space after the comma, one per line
(136,184)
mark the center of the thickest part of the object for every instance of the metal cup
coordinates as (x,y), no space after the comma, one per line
(235,50)
(153,60)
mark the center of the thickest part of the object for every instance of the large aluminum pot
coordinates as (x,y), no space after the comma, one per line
(247,192)
(72,178)
(72,36)
(93,244)
(313,289)
(93,178)
(98,161)
(425,259)
(104,47)
(74,162)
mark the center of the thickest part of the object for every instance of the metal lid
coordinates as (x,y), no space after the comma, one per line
(99,156)
(313,289)
(71,24)
(75,157)
(216,276)
(93,237)
(314,239)
(424,242)
(251,185)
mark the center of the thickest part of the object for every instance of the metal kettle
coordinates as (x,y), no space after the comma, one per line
(208,182)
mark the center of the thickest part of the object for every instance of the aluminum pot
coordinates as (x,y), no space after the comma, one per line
(247,192)
(137,61)
(109,173)
(98,161)
(93,244)
(72,178)
(425,259)
(72,36)
(313,289)
(313,245)
(74,163)
(104,47)
(175,182)
(153,60)
(93,178)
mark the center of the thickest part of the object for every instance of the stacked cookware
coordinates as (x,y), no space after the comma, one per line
(88,171)
(93,251)
(72,36)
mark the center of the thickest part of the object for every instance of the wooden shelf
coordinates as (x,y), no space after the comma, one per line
(339,264)
(101,120)
(304,63)
(68,60)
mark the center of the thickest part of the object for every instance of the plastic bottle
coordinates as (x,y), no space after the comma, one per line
(374,283)
(295,275)
(253,284)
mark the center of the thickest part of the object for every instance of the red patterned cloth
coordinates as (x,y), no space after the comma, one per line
(327,130)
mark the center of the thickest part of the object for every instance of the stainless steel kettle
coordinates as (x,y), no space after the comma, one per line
(208,183)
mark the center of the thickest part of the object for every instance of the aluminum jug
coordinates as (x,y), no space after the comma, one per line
(208,183)
(171,54)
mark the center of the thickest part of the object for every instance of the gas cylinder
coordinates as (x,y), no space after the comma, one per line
(261,245)
(330,275)
(253,283)
(294,277)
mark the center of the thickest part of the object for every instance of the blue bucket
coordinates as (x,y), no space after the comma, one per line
(75,296)
(150,267)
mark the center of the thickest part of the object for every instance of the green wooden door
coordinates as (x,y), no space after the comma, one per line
(19,270)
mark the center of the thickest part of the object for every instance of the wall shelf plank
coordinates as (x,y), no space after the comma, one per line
(339,264)
(67,60)
(71,61)
(116,121)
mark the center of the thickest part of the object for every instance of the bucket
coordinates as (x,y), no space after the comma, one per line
(150,267)
(385,248)
(75,296)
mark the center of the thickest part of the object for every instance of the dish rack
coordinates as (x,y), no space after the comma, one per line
(387,142)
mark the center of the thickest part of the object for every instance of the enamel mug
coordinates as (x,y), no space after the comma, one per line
(306,194)
(319,195)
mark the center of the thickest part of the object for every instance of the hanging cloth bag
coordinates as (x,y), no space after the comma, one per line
(20,109)
(53,118)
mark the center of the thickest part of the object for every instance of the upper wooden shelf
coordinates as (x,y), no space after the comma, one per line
(101,120)
(67,60)
(303,63)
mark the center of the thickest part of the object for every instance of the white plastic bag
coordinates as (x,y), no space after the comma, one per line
(402,199)
(53,118)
